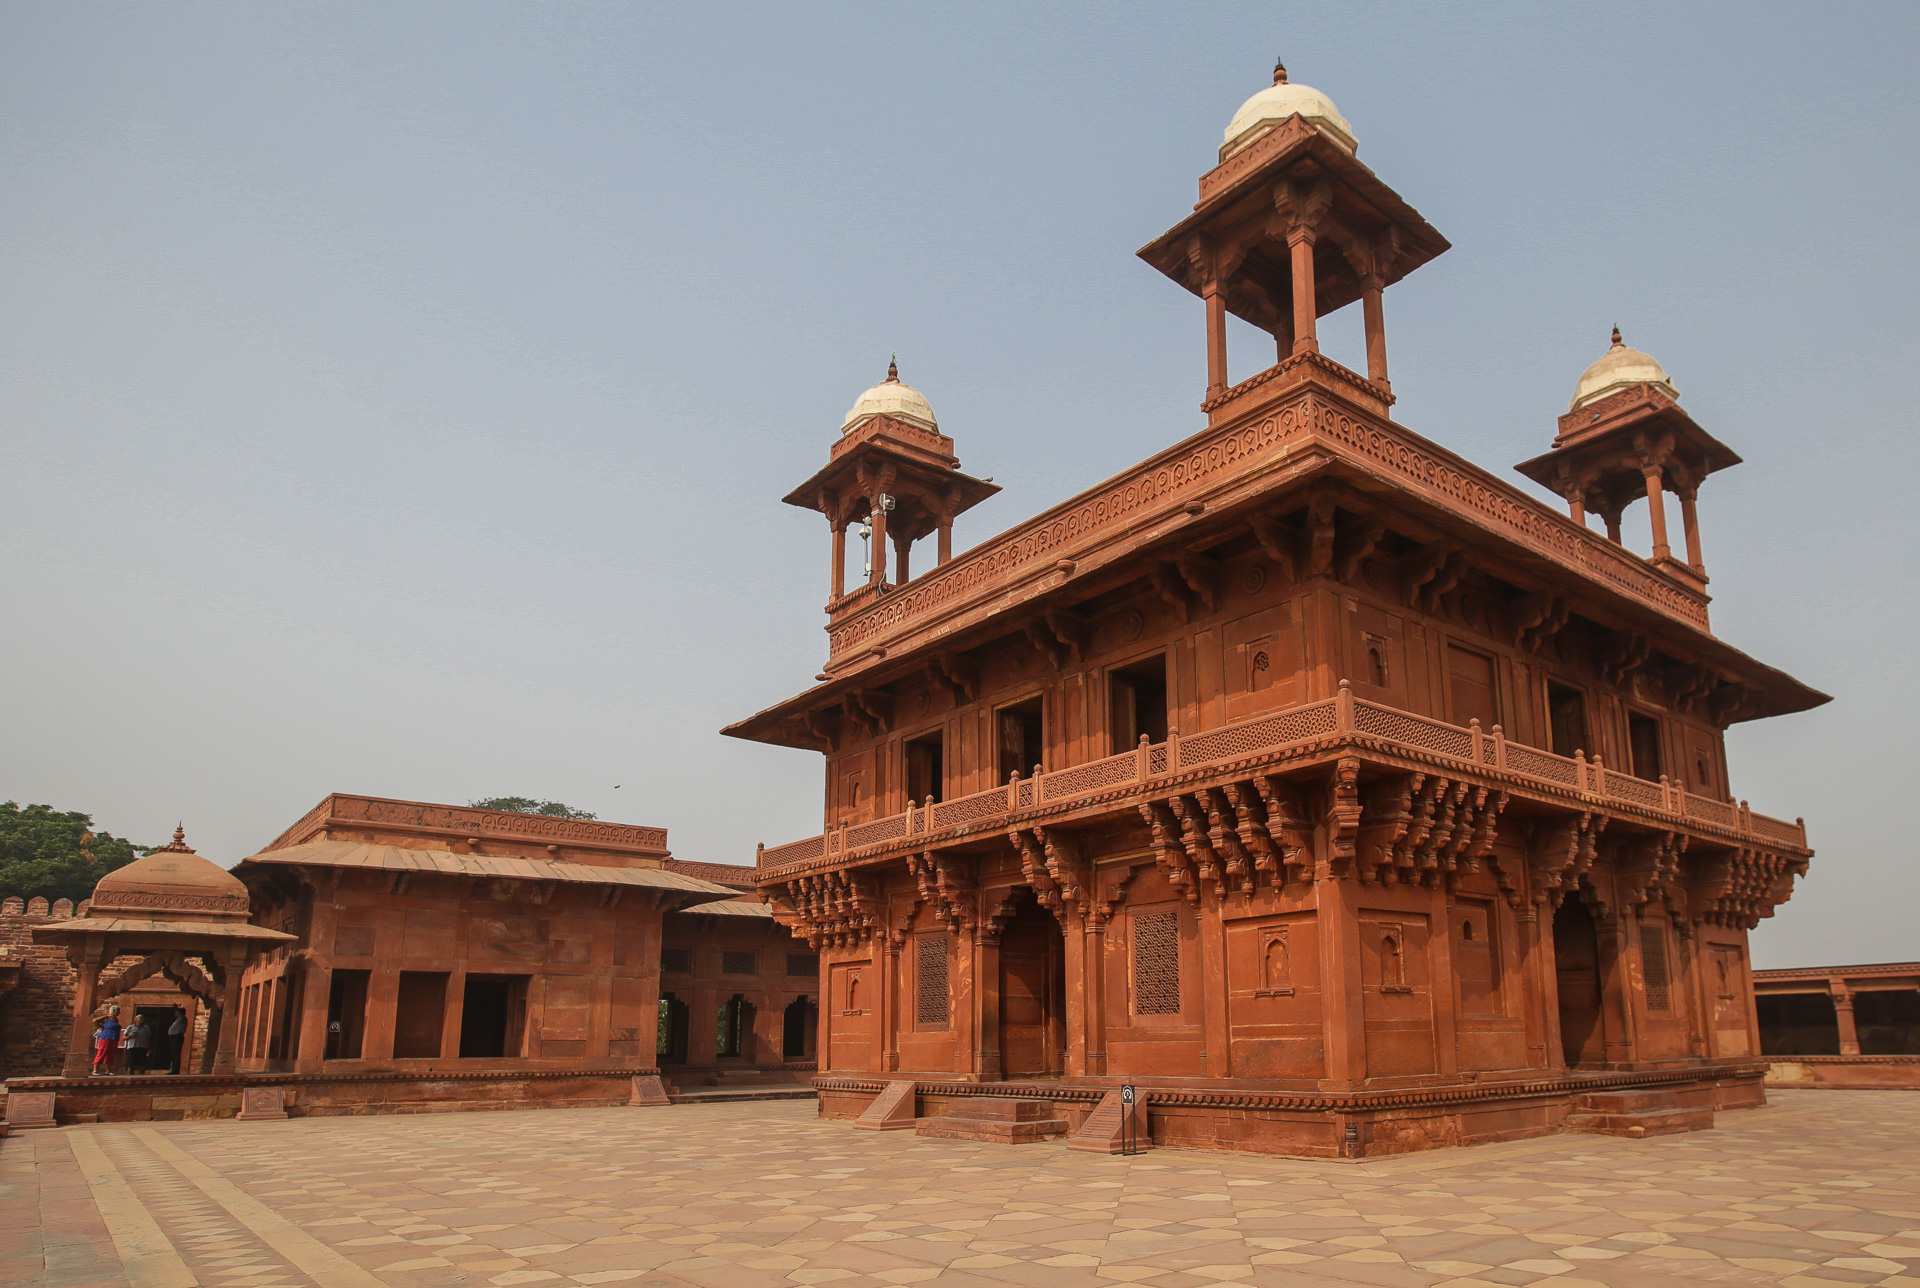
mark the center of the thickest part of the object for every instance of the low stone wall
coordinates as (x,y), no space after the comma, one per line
(160,1098)
(1847,1072)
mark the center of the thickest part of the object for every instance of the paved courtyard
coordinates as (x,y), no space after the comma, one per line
(1821,1187)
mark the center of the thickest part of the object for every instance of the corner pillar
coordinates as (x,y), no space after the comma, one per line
(1690,524)
(988,1066)
(877,551)
(838,582)
(224,1055)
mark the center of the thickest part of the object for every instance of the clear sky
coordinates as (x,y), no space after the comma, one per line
(398,398)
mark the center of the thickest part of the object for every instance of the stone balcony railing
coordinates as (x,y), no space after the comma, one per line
(1314,731)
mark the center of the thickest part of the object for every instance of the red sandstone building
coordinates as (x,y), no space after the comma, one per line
(386,955)
(1841,1026)
(1339,794)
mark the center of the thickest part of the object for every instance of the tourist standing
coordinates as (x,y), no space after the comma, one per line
(105,1039)
(176,1039)
(137,1042)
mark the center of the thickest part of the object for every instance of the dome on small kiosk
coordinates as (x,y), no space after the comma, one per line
(1618,368)
(171,880)
(891,398)
(1279,101)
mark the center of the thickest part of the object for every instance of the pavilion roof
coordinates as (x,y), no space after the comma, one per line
(397,858)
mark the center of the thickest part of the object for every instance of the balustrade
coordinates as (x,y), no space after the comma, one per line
(1271,735)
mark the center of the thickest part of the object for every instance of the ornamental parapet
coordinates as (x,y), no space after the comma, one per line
(1307,409)
(1333,730)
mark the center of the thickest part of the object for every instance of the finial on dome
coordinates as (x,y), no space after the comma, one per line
(893,369)
(179,843)
(1617,341)
(1279,72)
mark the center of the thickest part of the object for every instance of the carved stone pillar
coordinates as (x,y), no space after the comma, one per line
(224,1056)
(1376,327)
(1843,1014)
(1657,507)
(1306,337)
(1690,524)
(891,988)
(839,580)
(901,545)
(1214,293)
(877,551)
(1073,931)
(946,538)
(88,960)
(1616,1001)
(988,1065)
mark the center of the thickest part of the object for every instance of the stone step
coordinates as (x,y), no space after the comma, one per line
(1000,1120)
(1667,1122)
(1649,1100)
(727,1094)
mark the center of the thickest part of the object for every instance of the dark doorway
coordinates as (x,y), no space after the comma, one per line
(671,1046)
(492,1014)
(1022,738)
(1567,717)
(734,1037)
(1643,739)
(1576,956)
(926,768)
(346,1014)
(795,1027)
(1139,703)
(1799,1024)
(1033,994)
(419,1014)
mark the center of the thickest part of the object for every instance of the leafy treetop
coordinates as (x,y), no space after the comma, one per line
(528,805)
(49,853)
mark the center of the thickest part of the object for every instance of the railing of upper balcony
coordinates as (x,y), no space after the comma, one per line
(1273,734)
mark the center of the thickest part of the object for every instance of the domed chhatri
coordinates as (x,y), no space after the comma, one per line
(891,398)
(1275,104)
(1618,368)
(169,881)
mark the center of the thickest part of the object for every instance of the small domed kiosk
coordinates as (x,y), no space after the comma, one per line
(183,916)
(1625,437)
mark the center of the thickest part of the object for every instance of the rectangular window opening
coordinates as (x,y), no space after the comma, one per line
(1139,705)
(1022,738)
(676,961)
(1643,739)
(926,767)
(1566,718)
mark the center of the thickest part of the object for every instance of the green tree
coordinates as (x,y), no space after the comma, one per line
(528,805)
(56,854)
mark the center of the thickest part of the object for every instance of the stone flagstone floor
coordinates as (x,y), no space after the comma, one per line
(1821,1187)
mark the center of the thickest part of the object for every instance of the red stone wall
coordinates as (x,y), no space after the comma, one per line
(36,1015)
(713,949)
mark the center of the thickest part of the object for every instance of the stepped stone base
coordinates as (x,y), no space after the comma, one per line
(1636,1114)
(996,1120)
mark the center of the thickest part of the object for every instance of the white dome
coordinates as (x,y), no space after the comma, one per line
(1618,368)
(891,398)
(1279,101)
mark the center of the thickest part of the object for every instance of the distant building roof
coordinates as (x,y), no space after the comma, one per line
(732,908)
(395,858)
(724,873)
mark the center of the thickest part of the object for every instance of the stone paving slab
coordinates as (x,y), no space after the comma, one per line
(1819,1188)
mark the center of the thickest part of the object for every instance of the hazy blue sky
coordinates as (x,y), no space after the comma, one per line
(397,398)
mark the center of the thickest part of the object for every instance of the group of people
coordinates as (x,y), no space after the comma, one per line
(137,1044)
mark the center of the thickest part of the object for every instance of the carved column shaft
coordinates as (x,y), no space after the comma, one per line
(1376,327)
(1690,523)
(1216,297)
(92,959)
(1656,503)
(1843,1015)
(839,581)
(1305,334)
